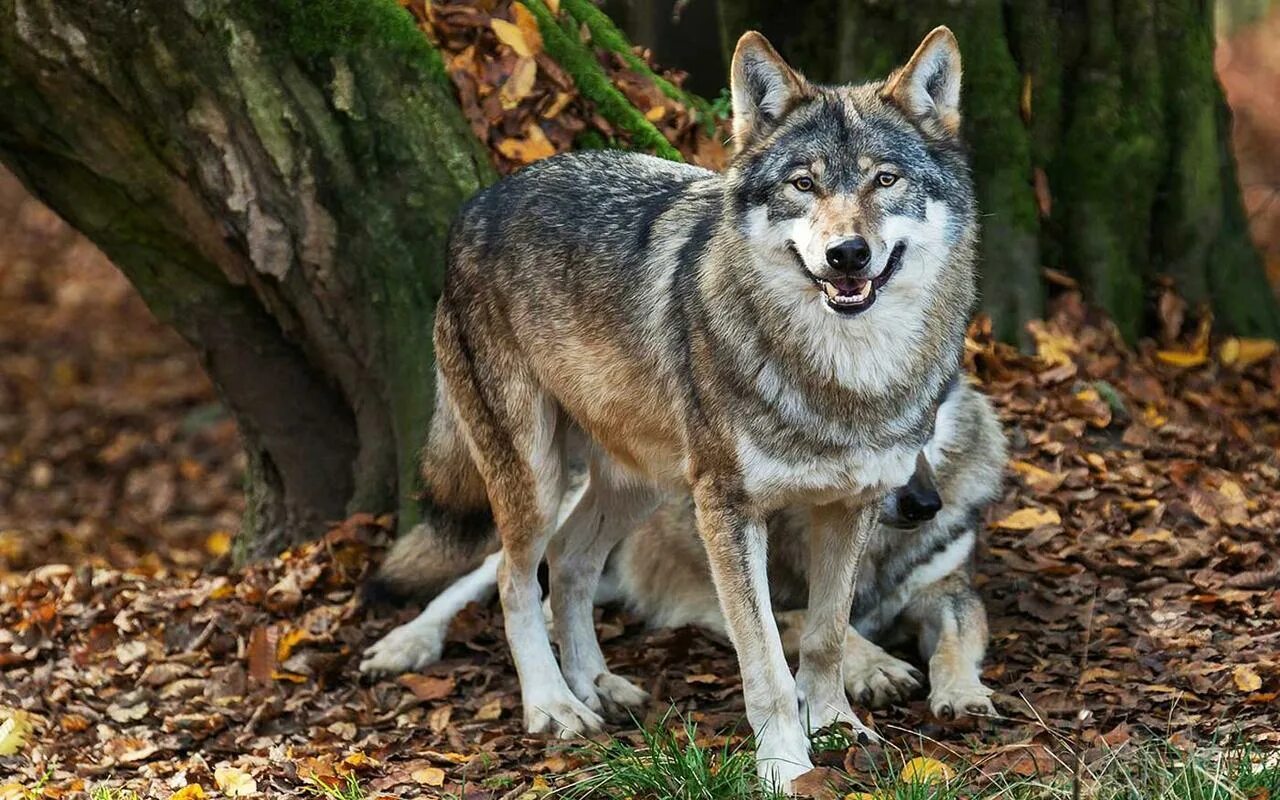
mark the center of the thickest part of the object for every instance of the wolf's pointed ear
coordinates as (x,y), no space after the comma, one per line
(764,88)
(928,87)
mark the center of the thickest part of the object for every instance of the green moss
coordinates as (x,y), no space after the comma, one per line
(580,62)
(321,29)
(607,35)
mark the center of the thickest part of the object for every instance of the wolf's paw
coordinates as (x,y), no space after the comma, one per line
(619,695)
(876,679)
(406,648)
(949,702)
(565,715)
(778,765)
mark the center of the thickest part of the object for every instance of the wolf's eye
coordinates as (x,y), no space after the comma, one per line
(886,179)
(803,184)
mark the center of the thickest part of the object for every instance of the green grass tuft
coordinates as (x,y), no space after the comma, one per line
(107,793)
(670,765)
(350,789)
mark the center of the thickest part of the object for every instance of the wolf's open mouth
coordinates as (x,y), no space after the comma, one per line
(850,296)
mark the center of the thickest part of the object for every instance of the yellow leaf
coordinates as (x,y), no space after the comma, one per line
(511,35)
(1026,519)
(1246,679)
(532,147)
(1052,346)
(1181,358)
(1152,417)
(358,759)
(926,770)
(1042,480)
(192,791)
(14,727)
(218,543)
(656,113)
(13,791)
(528,25)
(1244,352)
(429,776)
(554,5)
(489,711)
(284,647)
(235,782)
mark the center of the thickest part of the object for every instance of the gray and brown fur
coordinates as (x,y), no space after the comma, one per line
(682,321)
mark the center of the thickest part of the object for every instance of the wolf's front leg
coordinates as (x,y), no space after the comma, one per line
(953,637)
(837,536)
(736,542)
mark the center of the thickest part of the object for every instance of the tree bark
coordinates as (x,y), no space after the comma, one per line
(277,180)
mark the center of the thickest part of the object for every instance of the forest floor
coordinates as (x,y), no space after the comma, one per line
(1130,571)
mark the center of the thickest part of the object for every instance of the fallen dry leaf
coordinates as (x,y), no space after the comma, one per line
(14,728)
(926,770)
(533,146)
(234,782)
(512,36)
(427,687)
(1246,679)
(1026,519)
(429,776)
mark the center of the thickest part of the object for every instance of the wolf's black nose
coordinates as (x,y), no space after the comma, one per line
(918,505)
(850,255)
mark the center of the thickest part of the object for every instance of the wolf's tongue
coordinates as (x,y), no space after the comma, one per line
(848,286)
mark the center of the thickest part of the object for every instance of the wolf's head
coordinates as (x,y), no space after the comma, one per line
(854,197)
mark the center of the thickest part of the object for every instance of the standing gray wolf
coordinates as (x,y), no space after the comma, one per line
(776,335)
(914,579)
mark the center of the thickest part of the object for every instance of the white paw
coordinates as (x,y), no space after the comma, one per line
(407,648)
(619,695)
(778,766)
(564,715)
(958,699)
(876,679)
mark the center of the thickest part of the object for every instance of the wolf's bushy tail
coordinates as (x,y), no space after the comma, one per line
(457,530)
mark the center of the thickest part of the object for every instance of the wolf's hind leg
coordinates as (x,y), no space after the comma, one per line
(953,637)
(606,513)
(516,432)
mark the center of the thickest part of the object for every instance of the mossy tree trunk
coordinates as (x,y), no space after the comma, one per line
(277,180)
(1099,135)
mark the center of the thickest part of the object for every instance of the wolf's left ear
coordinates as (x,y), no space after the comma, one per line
(764,88)
(928,87)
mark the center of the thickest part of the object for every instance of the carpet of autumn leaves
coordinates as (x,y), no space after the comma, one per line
(1130,567)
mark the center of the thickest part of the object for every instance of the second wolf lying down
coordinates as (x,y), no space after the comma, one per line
(915,579)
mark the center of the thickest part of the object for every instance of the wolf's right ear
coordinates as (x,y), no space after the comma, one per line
(764,88)
(928,87)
